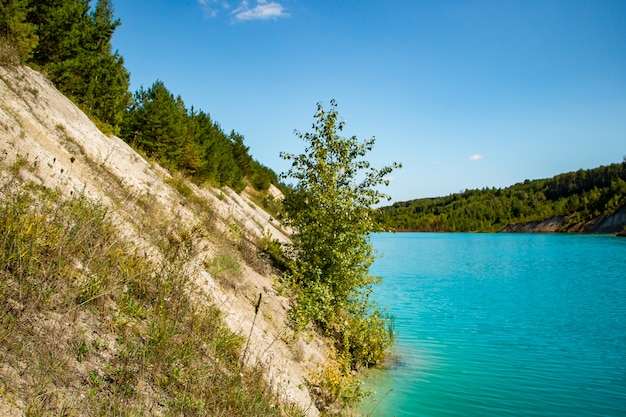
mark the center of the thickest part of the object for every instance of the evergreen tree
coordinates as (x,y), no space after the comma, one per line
(61,27)
(105,95)
(75,49)
(240,152)
(204,133)
(156,124)
(16,30)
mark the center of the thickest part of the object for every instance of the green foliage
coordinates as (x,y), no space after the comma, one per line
(16,30)
(329,210)
(261,176)
(578,196)
(75,50)
(156,124)
(72,43)
(277,254)
(335,387)
(330,213)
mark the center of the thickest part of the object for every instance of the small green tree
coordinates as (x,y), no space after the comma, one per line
(329,210)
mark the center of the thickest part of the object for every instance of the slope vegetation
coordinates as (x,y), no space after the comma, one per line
(126,290)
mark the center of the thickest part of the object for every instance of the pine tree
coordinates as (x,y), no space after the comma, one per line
(106,93)
(16,30)
(156,123)
(75,50)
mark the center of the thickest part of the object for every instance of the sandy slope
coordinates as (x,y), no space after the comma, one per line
(42,126)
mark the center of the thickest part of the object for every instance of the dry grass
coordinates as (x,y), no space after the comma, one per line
(9,55)
(90,327)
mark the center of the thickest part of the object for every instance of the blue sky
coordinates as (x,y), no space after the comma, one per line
(465,94)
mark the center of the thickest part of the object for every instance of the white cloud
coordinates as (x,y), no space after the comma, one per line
(476,157)
(263,10)
(211,8)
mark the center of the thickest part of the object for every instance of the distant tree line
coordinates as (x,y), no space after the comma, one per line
(70,41)
(578,196)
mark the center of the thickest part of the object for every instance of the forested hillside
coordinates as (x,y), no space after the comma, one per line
(70,41)
(576,197)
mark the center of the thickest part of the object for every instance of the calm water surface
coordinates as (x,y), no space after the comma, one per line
(502,325)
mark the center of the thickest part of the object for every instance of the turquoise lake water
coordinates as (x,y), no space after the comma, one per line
(502,325)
